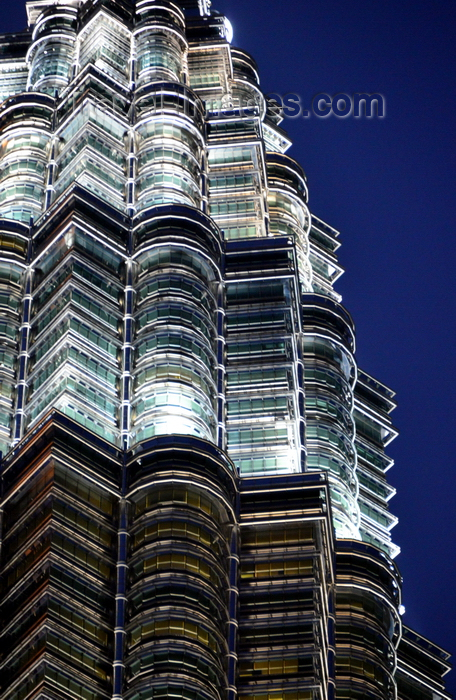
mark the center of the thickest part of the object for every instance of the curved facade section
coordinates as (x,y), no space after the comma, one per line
(246,93)
(25,133)
(244,66)
(14,239)
(52,53)
(368,626)
(160,42)
(288,213)
(330,374)
(176,344)
(182,516)
(169,123)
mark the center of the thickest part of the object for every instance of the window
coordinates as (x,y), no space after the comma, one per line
(271,405)
(74,688)
(78,621)
(272,376)
(178,372)
(171,285)
(252,436)
(286,631)
(80,555)
(222,156)
(276,318)
(285,695)
(85,490)
(169,628)
(53,59)
(172,660)
(77,657)
(86,525)
(270,537)
(106,44)
(30,558)
(23,166)
(175,155)
(165,130)
(26,497)
(361,667)
(231,181)
(271,349)
(172,256)
(160,342)
(277,569)
(233,206)
(177,495)
(175,530)
(251,292)
(270,667)
(264,464)
(177,314)
(89,139)
(234,232)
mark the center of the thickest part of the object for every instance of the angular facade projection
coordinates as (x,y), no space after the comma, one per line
(194,501)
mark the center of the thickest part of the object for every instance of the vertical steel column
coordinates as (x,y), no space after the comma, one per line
(127,351)
(221,428)
(233,597)
(121,588)
(24,337)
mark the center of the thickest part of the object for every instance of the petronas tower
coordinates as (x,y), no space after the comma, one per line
(193,493)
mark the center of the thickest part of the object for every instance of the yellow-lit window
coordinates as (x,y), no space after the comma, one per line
(273,569)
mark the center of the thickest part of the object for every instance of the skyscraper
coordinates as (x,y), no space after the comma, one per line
(194,500)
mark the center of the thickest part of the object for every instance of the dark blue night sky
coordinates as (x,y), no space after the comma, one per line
(388,186)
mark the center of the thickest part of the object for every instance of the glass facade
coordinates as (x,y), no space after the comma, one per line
(194,502)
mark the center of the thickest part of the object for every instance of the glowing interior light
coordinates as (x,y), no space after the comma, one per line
(228,30)
(205,7)
(176,425)
(401,610)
